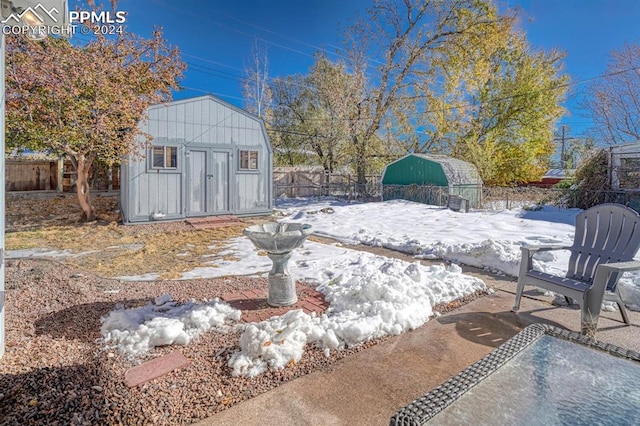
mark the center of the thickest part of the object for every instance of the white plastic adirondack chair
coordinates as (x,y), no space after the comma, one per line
(606,239)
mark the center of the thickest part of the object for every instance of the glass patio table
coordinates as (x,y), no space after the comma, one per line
(542,376)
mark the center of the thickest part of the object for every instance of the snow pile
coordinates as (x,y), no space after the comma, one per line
(486,239)
(374,297)
(137,330)
(274,343)
(504,255)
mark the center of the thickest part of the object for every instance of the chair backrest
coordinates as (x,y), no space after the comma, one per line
(605,233)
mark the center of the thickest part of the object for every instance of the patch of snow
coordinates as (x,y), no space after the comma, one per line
(39,252)
(374,297)
(135,331)
(151,276)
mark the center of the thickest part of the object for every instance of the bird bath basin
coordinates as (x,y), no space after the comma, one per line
(279,240)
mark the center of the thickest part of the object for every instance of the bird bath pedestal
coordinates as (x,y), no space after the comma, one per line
(279,240)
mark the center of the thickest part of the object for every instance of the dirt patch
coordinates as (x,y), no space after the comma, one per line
(40,210)
(108,248)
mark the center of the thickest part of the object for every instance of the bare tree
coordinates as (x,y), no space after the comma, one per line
(289,127)
(613,101)
(256,87)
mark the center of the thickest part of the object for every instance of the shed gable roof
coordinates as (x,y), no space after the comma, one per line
(629,148)
(206,98)
(204,120)
(458,172)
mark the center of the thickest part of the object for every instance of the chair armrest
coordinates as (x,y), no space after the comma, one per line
(632,265)
(549,247)
(601,278)
(604,271)
(527,253)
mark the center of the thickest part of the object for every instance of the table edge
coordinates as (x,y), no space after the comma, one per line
(427,406)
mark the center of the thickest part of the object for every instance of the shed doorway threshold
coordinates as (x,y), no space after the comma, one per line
(214,221)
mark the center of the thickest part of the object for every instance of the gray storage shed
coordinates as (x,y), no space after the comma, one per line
(431,179)
(207,157)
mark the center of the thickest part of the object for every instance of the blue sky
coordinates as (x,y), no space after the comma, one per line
(216,36)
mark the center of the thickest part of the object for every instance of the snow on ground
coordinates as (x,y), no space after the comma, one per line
(488,239)
(482,238)
(136,330)
(37,252)
(370,296)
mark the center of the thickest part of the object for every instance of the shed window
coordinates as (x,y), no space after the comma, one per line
(165,157)
(630,173)
(248,160)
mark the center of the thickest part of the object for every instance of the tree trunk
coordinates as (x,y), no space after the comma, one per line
(361,166)
(84,192)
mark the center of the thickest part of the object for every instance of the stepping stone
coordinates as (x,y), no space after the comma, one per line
(213,222)
(155,368)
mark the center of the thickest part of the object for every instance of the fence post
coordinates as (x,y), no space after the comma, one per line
(60,174)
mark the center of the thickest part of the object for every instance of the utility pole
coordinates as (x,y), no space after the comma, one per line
(563,148)
(563,160)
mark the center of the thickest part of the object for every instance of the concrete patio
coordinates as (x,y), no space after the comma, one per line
(370,386)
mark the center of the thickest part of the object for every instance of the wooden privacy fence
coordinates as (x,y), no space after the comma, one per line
(300,182)
(31,175)
(292,182)
(53,175)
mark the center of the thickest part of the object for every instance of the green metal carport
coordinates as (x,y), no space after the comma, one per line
(430,179)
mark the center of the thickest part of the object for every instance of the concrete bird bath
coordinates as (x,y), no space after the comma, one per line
(279,240)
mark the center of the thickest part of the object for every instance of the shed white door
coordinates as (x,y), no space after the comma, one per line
(207,182)
(197,183)
(220,182)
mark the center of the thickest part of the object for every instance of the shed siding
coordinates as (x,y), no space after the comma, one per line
(217,130)
(253,187)
(623,176)
(152,193)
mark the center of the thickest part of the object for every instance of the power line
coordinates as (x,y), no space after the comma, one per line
(189,55)
(240,79)
(227,27)
(316,48)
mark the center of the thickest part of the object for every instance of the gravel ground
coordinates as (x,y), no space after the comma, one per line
(54,370)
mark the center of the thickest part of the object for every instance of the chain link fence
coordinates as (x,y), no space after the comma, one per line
(529,197)
(346,189)
(493,198)
(498,198)
(425,194)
